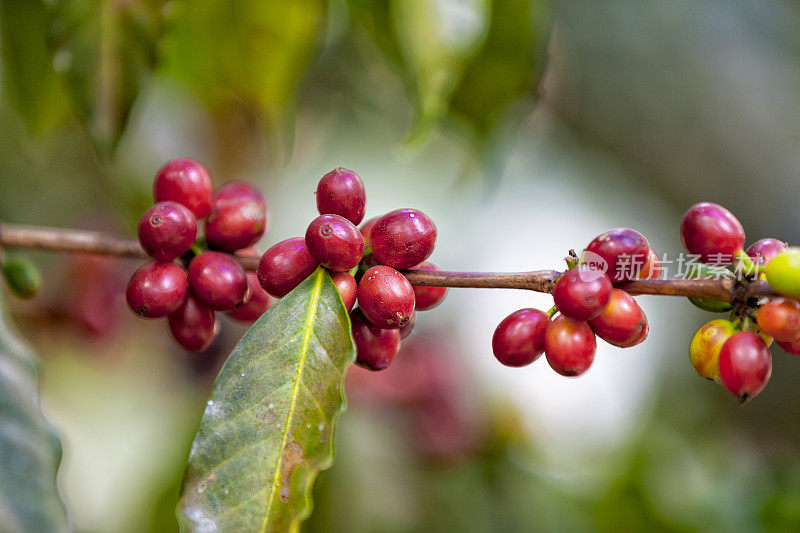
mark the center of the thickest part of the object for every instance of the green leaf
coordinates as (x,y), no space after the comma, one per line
(268,426)
(30,452)
(30,82)
(105,51)
(243,50)
(436,38)
(508,66)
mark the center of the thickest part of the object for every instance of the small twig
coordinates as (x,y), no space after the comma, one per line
(92,242)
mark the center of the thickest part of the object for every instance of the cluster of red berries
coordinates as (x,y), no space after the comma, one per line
(588,306)
(364,263)
(735,351)
(189,279)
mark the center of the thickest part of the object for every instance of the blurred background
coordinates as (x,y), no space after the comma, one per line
(524,128)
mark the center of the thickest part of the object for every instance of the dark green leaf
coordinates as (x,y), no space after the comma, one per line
(268,426)
(29,450)
(29,79)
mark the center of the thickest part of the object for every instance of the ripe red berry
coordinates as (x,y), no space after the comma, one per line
(624,252)
(235,224)
(406,330)
(366,232)
(284,266)
(762,251)
(334,242)
(712,232)
(428,297)
(386,297)
(256,305)
(745,365)
(403,238)
(156,289)
(341,192)
(519,338)
(167,230)
(193,325)
(652,267)
(622,322)
(376,348)
(218,280)
(582,292)
(780,318)
(790,347)
(235,191)
(186,182)
(569,346)
(347,287)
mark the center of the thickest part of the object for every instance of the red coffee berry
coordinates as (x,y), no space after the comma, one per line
(156,289)
(186,182)
(167,230)
(622,322)
(623,250)
(762,251)
(780,318)
(193,325)
(712,232)
(792,347)
(745,365)
(406,330)
(569,346)
(347,287)
(334,242)
(582,292)
(366,232)
(218,280)
(94,290)
(403,238)
(376,348)
(428,297)
(341,192)
(235,191)
(386,297)
(235,224)
(519,338)
(256,305)
(652,267)
(284,266)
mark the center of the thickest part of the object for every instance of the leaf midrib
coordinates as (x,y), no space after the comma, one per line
(308,328)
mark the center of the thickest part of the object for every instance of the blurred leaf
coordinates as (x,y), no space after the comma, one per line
(268,426)
(376,17)
(30,82)
(508,66)
(105,51)
(253,50)
(29,450)
(436,39)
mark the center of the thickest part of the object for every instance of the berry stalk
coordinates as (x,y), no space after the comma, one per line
(14,236)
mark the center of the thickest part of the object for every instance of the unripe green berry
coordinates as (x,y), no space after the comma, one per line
(783,273)
(22,277)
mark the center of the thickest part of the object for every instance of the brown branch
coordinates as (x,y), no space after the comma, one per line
(92,242)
